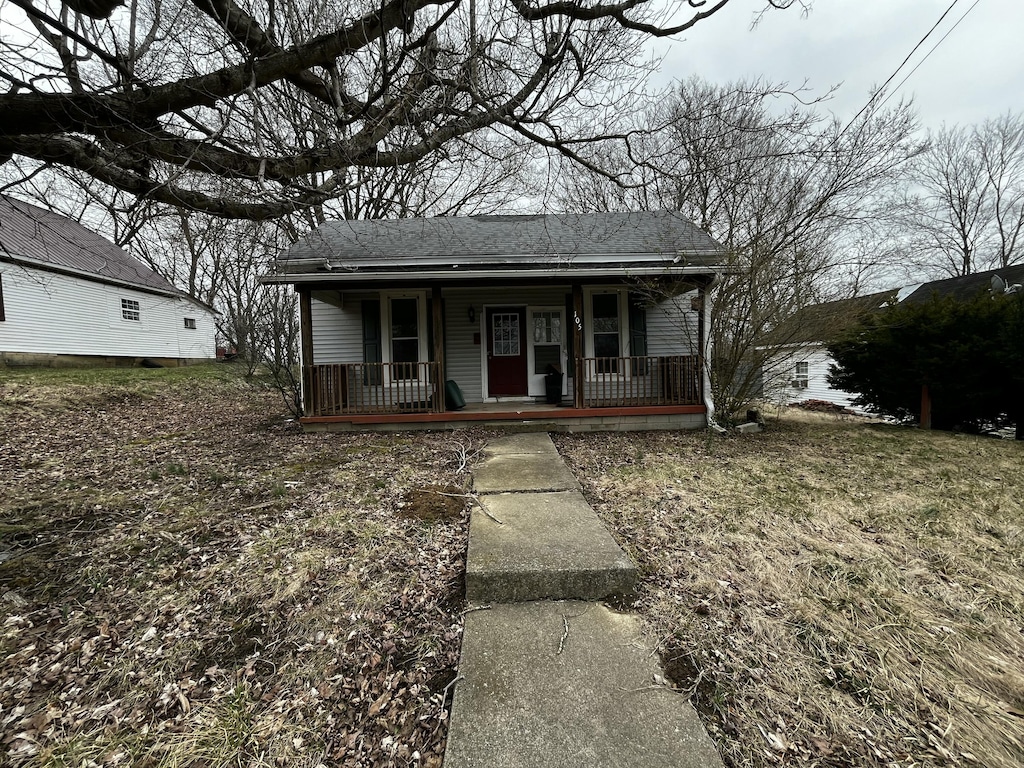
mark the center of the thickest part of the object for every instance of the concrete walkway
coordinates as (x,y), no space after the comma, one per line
(550,678)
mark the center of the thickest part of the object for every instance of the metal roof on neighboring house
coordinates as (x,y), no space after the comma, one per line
(42,238)
(479,245)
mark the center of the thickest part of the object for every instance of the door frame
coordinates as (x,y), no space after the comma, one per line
(485,333)
(530,359)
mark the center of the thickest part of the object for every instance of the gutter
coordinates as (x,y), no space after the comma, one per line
(709,402)
(456,275)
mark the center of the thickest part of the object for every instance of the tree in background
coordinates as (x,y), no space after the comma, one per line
(970,355)
(259,109)
(780,188)
(964,210)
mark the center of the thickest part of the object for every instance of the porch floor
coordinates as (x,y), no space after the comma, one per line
(527,414)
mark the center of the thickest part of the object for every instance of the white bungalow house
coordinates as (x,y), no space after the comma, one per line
(575,321)
(69,297)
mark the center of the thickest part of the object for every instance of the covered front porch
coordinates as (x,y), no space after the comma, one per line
(514,352)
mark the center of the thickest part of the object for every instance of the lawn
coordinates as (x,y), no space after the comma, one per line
(187,579)
(829,592)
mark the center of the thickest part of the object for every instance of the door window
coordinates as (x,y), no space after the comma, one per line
(505,336)
(547,340)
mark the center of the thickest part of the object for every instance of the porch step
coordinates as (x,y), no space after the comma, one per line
(560,684)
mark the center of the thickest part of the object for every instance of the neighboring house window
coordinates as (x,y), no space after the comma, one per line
(190,323)
(801,376)
(130,309)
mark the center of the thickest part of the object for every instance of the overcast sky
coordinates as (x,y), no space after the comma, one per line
(977,72)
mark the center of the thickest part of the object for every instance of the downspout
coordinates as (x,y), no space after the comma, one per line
(707,351)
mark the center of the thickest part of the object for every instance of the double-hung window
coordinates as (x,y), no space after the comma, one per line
(130,310)
(405,338)
(607,327)
(801,375)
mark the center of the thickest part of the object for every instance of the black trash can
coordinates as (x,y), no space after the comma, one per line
(553,384)
(453,399)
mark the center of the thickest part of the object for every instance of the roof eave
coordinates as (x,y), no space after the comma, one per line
(460,275)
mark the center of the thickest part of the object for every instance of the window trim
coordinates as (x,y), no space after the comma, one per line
(3,312)
(801,380)
(421,331)
(622,292)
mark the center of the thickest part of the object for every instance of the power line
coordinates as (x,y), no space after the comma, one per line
(925,57)
(891,77)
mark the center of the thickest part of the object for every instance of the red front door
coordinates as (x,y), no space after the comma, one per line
(506,351)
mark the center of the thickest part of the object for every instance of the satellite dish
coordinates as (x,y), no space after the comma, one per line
(998,284)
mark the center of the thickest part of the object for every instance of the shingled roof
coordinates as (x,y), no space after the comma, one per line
(966,287)
(821,322)
(37,237)
(497,244)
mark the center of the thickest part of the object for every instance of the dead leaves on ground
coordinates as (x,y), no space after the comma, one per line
(186,579)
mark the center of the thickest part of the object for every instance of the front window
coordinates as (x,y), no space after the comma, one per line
(405,338)
(605,314)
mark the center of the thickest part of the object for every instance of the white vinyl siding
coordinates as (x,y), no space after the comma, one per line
(57,314)
(672,327)
(338,326)
(818,363)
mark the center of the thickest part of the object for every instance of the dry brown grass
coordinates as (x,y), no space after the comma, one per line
(186,579)
(831,592)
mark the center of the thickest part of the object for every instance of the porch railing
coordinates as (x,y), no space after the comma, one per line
(365,388)
(650,380)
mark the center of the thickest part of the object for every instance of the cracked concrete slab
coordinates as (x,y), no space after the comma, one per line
(567,684)
(523,462)
(547,545)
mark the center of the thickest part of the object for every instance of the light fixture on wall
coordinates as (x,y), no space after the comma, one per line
(471,314)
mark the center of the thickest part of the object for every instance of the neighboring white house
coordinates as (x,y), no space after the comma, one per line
(801,366)
(69,296)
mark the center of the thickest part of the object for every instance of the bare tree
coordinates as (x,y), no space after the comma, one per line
(780,189)
(166,95)
(965,210)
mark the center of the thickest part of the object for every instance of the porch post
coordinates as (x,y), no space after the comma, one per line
(306,348)
(438,321)
(577,345)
